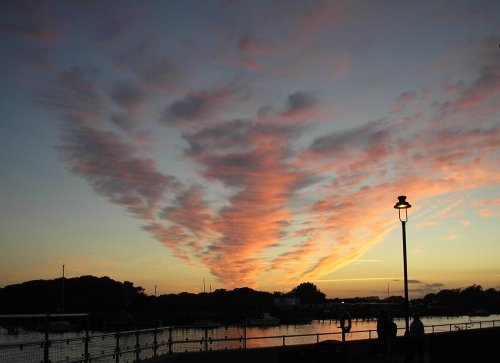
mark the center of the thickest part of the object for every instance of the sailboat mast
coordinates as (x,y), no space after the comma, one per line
(63,289)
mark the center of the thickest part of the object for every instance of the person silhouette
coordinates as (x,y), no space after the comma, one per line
(382,333)
(392,331)
(417,335)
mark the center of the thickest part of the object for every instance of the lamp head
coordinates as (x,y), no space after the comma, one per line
(402,203)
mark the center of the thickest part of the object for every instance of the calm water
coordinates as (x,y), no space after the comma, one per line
(67,346)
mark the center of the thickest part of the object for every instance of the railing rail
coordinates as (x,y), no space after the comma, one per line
(140,345)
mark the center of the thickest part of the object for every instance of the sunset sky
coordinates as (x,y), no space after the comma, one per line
(251,143)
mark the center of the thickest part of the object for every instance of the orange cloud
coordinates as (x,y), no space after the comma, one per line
(450,237)
(427,224)
(342,183)
(485,213)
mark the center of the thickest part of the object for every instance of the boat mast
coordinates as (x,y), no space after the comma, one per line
(63,289)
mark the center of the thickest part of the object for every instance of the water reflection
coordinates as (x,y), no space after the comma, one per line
(235,337)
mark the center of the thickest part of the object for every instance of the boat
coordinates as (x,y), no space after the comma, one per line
(265,320)
(210,324)
(479,312)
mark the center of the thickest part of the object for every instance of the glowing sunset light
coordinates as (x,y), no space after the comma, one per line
(251,143)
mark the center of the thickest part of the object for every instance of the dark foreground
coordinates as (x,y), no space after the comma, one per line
(480,345)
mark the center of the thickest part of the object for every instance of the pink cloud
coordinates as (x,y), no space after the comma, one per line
(272,184)
(485,213)
(367,166)
(113,167)
(483,91)
(297,257)
(428,224)
(156,71)
(450,237)
(30,20)
(342,64)
(403,99)
(173,237)
(452,89)
(198,106)
(299,103)
(318,16)
(249,64)
(253,221)
(114,171)
(191,214)
(486,202)
(250,44)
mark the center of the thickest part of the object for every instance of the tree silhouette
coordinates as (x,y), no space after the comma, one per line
(308,293)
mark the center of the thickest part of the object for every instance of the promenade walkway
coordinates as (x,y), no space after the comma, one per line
(457,347)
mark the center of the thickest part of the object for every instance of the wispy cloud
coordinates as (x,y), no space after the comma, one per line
(360,279)
(450,237)
(198,106)
(293,179)
(298,102)
(30,20)
(114,171)
(427,288)
(428,224)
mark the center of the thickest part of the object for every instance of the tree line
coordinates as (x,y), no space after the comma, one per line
(111,302)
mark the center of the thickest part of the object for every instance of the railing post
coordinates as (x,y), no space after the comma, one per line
(87,338)
(155,343)
(47,342)
(206,339)
(317,337)
(170,341)
(117,349)
(244,337)
(370,334)
(283,340)
(137,346)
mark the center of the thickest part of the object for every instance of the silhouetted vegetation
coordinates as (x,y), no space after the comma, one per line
(116,305)
(472,299)
(308,293)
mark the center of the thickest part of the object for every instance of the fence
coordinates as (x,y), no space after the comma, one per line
(140,345)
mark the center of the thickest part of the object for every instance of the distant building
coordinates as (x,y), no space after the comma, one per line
(287,302)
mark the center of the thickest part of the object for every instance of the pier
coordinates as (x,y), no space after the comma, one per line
(478,345)
(455,342)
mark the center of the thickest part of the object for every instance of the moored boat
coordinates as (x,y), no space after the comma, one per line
(266,320)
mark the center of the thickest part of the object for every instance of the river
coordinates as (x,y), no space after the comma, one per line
(70,345)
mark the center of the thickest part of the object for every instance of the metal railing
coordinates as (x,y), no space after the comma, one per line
(140,345)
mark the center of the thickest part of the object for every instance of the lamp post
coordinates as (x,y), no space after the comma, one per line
(402,204)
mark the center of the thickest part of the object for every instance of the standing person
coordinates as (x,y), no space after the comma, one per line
(382,333)
(417,334)
(392,331)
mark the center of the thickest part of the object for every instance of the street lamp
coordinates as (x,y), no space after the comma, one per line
(402,204)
